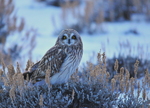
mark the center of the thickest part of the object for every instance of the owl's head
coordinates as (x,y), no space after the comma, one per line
(69,37)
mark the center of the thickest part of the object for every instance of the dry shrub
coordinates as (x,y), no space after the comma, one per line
(57,3)
(133,58)
(129,63)
(85,19)
(120,81)
(89,15)
(13,27)
(91,86)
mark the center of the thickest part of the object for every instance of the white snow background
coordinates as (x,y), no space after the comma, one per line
(40,16)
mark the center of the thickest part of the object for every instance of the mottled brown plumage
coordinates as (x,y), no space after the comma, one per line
(62,59)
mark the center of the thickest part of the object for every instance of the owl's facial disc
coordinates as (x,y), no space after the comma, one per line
(69,39)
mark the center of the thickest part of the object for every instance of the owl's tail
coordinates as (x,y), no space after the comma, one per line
(27,75)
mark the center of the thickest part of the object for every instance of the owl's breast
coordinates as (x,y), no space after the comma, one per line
(68,67)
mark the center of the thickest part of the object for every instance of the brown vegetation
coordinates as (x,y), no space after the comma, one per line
(10,24)
(94,74)
(90,79)
(89,15)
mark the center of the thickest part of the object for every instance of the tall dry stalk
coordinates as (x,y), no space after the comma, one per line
(12,93)
(116,65)
(41,101)
(136,68)
(47,77)
(10,73)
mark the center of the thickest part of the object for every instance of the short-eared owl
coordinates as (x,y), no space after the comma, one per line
(62,59)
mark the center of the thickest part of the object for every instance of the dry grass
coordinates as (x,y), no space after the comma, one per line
(10,24)
(86,19)
(122,80)
(89,15)
(92,75)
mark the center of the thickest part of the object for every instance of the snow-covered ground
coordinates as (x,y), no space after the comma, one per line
(117,34)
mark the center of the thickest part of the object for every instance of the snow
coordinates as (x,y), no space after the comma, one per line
(48,18)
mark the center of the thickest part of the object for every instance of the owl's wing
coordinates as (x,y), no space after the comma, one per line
(53,59)
(34,67)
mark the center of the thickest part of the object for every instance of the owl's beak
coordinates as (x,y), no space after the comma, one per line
(69,41)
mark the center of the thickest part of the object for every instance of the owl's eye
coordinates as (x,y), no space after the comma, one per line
(73,37)
(64,37)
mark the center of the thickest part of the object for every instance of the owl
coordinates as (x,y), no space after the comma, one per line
(62,59)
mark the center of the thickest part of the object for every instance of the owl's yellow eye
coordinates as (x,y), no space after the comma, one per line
(73,37)
(64,37)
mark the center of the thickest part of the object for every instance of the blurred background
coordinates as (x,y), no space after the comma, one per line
(120,28)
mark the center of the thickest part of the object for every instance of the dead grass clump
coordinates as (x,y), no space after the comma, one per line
(10,24)
(136,68)
(89,15)
(121,81)
(87,18)
(92,86)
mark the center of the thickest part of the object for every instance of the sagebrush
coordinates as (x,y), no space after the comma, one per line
(90,87)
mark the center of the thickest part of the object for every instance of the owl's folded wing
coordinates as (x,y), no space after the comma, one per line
(52,60)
